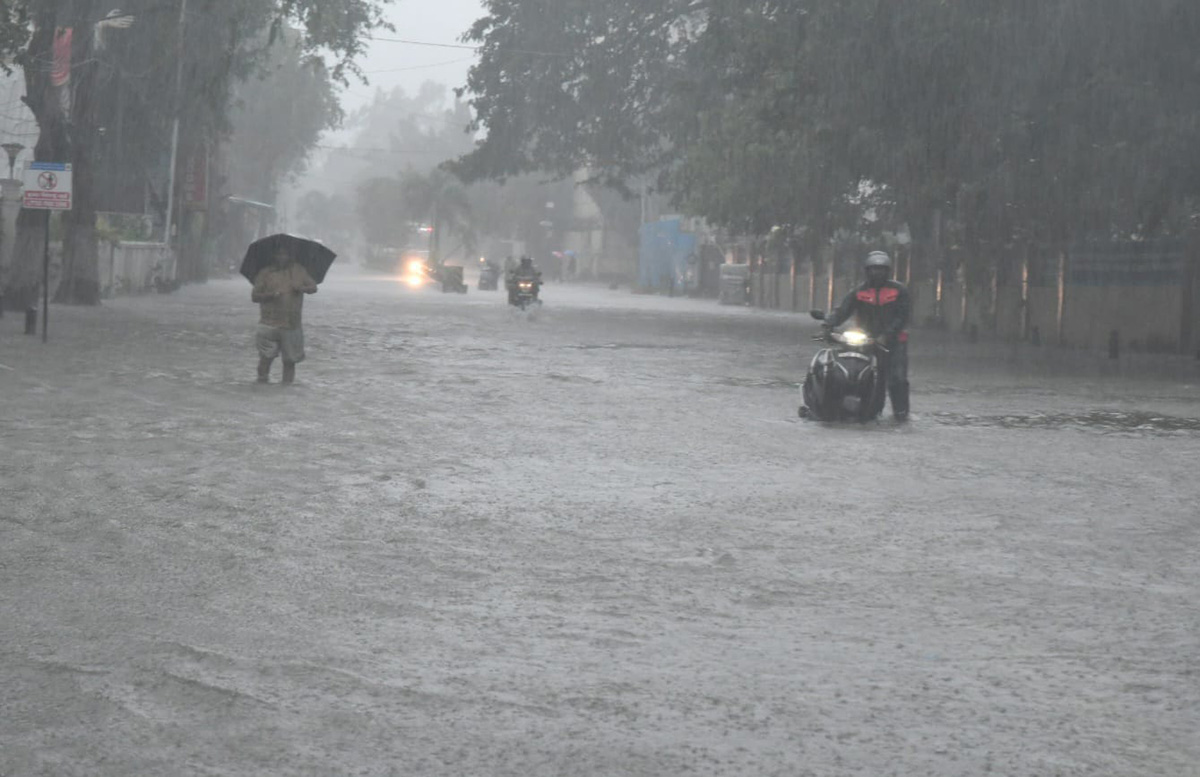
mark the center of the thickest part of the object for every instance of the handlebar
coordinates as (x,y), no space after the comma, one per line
(829,335)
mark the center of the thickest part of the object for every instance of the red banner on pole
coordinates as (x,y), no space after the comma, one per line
(195,179)
(60,74)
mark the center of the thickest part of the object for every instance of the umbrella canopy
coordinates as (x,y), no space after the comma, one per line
(310,254)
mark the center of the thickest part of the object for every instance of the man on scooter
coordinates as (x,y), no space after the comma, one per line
(882,307)
(524,270)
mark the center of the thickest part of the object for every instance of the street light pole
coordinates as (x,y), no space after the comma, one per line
(175,125)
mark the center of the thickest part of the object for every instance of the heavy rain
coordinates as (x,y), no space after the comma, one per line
(500,387)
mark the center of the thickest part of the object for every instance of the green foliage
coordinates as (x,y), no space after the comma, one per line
(389,208)
(123,227)
(14,31)
(1016,121)
(279,115)
(382,214)
(131,81)
(564,84)
(411,132)
(439,200)
(337,27)
(329,218)
(516,209)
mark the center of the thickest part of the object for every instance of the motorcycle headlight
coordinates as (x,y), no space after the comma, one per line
(855,337)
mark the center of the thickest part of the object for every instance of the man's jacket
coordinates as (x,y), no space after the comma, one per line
(881,312)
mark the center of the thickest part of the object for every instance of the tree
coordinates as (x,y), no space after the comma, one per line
(14,32)
(567,84)
(220,42)
(984,122)
(329,218)
(45,99)
(278,116)
(395,132)
(515,211)
(380,206)
(439,200)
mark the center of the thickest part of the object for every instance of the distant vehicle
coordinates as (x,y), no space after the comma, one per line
(414,269)
(489,275)
(525,292)
(451,278)
(417,272)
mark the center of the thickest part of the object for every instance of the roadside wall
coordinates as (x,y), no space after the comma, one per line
(129,268)
(1148,292)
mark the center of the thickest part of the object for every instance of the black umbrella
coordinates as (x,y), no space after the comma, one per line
(310,254)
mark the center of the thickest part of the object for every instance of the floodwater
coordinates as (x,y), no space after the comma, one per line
(595,540)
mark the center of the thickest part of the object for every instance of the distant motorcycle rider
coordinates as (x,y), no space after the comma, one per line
(525,270)
(882,308)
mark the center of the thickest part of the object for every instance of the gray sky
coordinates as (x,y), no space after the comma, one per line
(431,21)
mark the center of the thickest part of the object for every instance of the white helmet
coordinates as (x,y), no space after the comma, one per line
(879,259)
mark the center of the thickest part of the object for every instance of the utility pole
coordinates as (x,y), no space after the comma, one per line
(175,125)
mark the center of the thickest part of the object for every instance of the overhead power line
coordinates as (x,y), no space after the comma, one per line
(466,47)
(418,67)
(426,43)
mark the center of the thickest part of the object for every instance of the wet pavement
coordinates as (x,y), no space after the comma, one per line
(595,539)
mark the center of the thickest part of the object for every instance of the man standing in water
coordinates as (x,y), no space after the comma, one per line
(279,291)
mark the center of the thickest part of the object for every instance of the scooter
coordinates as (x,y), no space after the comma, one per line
(845,380)
(523,292)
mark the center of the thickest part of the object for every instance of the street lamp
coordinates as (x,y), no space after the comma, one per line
(12,149)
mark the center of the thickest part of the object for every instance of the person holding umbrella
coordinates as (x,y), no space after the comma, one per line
(280,283)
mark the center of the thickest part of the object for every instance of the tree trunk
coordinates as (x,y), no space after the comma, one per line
(52,146)
(190,230)
(81,276)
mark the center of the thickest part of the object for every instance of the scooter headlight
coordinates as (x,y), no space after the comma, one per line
(855,338)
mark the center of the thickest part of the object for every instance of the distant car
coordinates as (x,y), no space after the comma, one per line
(415,272)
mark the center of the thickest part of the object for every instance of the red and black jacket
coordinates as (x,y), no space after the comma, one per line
(882,312)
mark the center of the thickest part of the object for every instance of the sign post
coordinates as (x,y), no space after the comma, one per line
(47,187)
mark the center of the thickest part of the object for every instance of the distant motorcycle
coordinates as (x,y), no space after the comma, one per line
(845,380)
(524,292)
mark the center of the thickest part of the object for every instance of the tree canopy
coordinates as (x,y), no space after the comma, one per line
(1045,120)
(122,93)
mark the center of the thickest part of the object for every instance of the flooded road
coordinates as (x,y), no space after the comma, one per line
(592,540)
